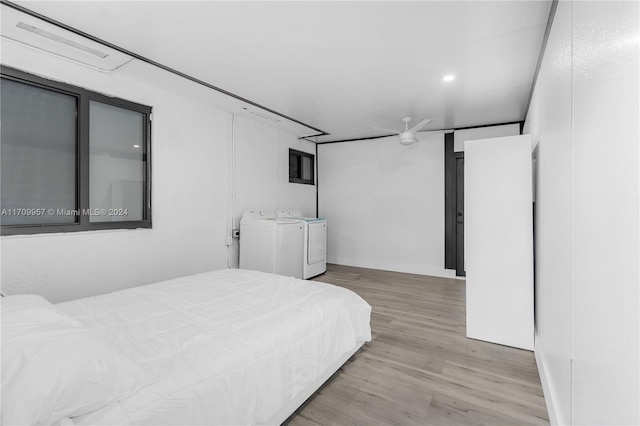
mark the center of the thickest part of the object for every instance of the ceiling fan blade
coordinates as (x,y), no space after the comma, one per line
(419,125)
(395,132)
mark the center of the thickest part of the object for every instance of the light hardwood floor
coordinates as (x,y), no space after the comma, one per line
(419,367)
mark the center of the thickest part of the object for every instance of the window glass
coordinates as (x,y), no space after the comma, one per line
(307,169)
(301,167)
(38,155)
(294,165)
(117,163)
(71,159)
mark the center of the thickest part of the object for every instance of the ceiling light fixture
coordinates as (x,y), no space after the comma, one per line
(60,39)
(449,77)
(34,32)
(136,146)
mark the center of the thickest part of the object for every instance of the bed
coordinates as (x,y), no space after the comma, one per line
(223,347)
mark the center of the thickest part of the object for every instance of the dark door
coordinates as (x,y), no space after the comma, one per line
(460,216)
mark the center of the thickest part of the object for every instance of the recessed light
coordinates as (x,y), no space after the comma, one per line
(449,77)
(136,146)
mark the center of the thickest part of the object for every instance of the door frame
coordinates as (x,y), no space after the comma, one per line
(450,207)
(460,217)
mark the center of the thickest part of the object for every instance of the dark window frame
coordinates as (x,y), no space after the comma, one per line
(83,98)
(300,155)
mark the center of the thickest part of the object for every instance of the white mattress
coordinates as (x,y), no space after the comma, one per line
(224,347)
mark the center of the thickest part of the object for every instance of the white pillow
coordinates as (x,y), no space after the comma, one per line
(53,367)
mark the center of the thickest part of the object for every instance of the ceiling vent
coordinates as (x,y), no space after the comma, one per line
(263,115)
(33,32)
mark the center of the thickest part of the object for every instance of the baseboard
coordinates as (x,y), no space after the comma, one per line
(549,397)
(396,267)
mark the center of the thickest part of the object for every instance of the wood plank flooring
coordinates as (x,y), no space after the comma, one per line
(419,368)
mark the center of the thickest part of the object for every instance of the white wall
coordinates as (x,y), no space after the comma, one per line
(190,189)
(384,204)
(188,179)
(550,116)
(262,173)
(606,114)
(385,201)
(585,115)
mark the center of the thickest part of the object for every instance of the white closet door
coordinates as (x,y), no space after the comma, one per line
(499,240)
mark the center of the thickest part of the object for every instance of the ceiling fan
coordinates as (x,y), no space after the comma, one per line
(407,136)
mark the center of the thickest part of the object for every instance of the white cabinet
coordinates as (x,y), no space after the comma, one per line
(499,240)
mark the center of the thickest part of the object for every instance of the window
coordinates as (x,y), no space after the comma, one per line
(71,159)
(301,167)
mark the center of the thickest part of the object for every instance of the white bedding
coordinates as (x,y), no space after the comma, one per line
(224,347)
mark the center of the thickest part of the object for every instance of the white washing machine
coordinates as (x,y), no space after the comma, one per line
(271,244)
(315,242)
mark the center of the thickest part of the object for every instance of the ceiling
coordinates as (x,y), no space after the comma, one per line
(338,66)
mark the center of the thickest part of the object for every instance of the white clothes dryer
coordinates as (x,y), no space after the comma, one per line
(271,244)
(315,242)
